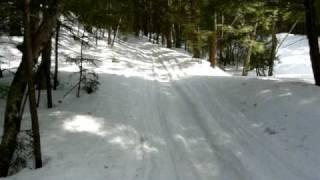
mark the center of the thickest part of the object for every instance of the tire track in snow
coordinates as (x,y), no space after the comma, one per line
(225,157)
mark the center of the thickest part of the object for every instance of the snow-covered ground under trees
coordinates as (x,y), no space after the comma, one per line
(161,115)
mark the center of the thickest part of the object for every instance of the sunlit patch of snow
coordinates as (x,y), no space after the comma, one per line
(83,123)
(125,143)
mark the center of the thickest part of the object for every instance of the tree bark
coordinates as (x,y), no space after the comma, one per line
(31,88)
(312,33)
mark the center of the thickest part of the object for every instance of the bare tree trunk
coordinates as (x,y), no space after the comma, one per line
(213,49)
(196,45)
(56,67)
(109,35)
(213,44)
(31,88)
(169,37)
(46,57)
(274,44)
(116,32)
(247,61)
(81,68)
(178,39)
(312,33)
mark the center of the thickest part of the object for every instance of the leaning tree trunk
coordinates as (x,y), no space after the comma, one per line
(312,33)
(31,88)
(12,118)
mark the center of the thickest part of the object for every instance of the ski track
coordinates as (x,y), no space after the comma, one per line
(165,128)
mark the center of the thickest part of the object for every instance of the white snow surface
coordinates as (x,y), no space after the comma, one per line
(294,59)
(161,115)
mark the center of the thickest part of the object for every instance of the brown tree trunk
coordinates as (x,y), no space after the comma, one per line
(274,43)
(213,49)
(31,88)
(213,44)
(312,33)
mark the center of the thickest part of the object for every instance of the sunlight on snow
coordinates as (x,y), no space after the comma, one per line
(83,123)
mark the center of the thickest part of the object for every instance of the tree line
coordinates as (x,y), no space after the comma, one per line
(227,32)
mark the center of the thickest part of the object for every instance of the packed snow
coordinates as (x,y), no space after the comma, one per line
(161,115)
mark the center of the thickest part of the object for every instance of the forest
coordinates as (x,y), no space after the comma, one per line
(178,89)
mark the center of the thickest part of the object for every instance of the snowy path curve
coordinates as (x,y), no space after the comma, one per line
(155,118)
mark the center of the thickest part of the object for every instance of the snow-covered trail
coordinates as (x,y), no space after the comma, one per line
(155,118)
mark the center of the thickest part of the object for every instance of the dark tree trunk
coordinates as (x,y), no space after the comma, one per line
(196,50)
(178,38)
(1,74)
(12,118)
(46,58)
(31,87)
(312,33)
(169,37)
(81,68)
(56,67)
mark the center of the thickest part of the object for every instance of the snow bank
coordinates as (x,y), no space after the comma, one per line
(294,59)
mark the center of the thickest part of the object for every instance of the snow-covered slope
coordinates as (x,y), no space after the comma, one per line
(161,115)
(294,60)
